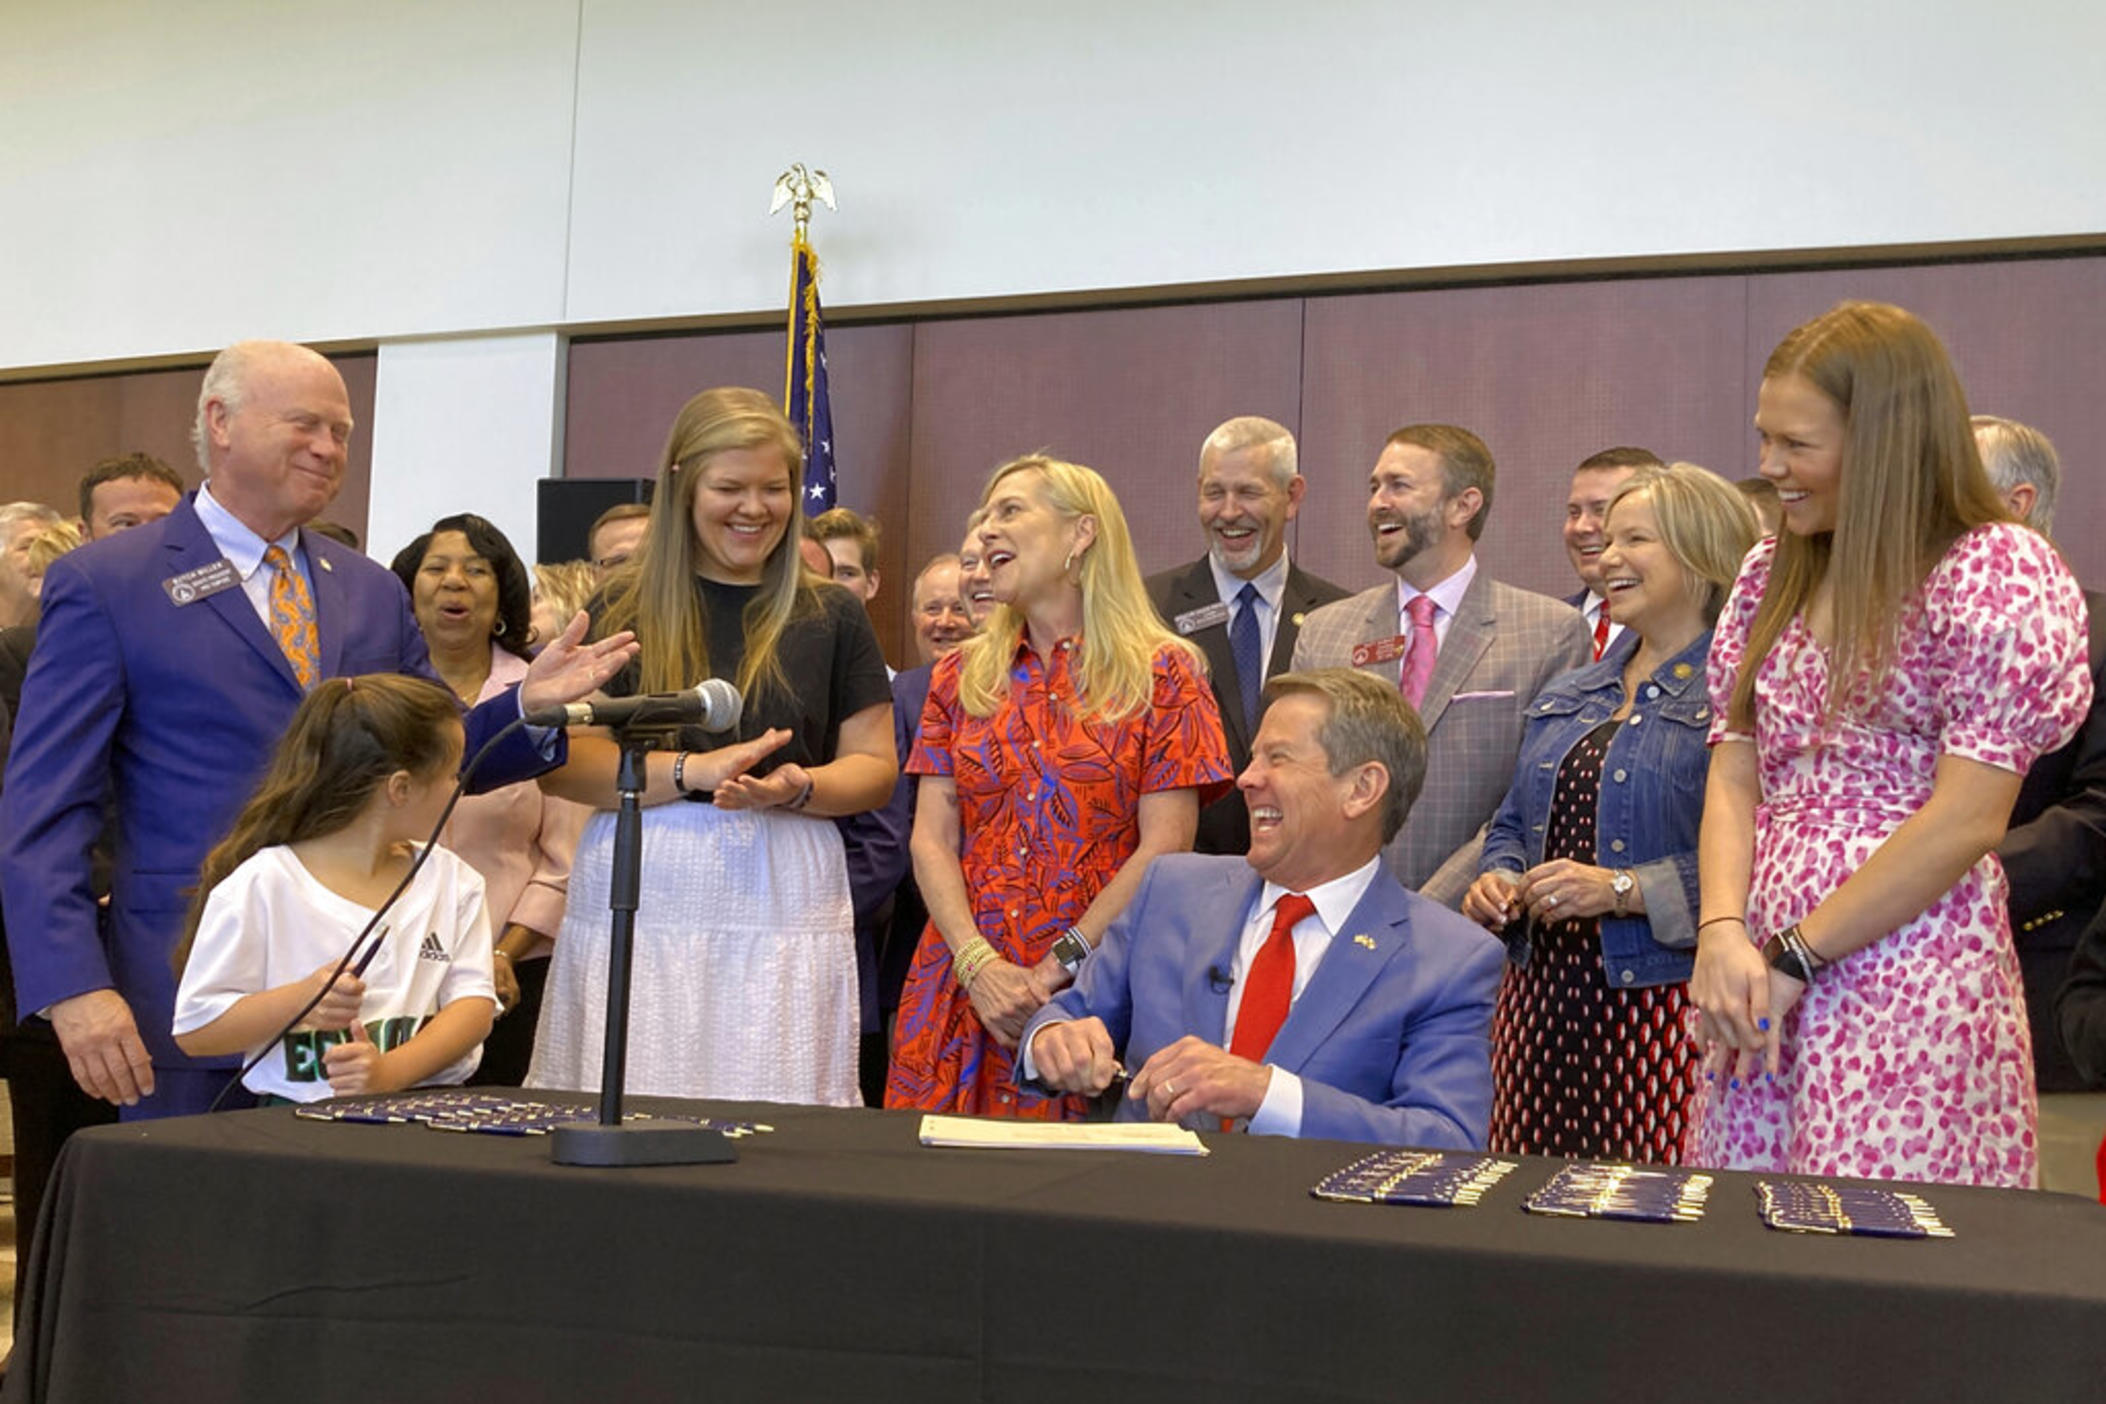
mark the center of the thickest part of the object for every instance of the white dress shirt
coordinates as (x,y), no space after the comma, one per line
(244,551)
(1447,598)
(1272,587)
(1280,1114)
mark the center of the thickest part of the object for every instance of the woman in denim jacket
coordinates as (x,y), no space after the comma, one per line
(1590,866)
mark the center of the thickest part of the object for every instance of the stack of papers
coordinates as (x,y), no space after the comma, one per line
(978,1133)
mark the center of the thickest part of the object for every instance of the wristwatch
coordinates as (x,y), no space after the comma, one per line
(1788,953)
(1071,950)
(1620,883)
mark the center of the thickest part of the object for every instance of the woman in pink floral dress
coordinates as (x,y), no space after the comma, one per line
(1883,674)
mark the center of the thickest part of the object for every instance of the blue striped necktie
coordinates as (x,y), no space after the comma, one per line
(1246,647)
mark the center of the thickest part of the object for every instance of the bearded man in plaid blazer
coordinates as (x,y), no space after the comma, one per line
(1492,647)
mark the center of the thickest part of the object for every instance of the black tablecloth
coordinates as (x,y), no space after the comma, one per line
(258,1256)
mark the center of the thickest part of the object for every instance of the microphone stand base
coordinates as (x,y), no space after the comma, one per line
(639,1143)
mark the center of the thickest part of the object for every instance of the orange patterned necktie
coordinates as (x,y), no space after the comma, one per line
(292,618)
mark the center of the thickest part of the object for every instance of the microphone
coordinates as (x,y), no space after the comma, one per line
(1218,978)
(715,705)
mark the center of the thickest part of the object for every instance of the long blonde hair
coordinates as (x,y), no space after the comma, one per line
(1121,635)
(1911,483)
(655,594)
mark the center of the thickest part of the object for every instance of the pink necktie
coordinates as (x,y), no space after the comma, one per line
(1418,657)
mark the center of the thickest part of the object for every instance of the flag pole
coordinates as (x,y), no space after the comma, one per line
(805,399)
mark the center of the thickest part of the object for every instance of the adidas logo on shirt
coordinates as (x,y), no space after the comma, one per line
(432,950)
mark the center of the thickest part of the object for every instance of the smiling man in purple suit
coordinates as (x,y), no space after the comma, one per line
(1300,991)
(158,679)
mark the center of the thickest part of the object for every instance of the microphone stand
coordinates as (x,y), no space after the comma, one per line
(610,1141)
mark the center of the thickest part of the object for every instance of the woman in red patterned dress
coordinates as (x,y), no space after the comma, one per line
(1060,751)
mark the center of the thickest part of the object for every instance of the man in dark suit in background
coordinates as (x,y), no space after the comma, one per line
(1594,483)
(1468,651)
(1243,602)
(2054,853)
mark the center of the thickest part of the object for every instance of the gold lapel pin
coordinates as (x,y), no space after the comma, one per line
(1364,940)
(325,564)
(1298,618)
(1684,670)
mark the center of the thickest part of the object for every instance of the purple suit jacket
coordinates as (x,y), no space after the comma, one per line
(174,709)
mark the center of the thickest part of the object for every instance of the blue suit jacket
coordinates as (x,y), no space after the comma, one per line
(1391,1037)
(876,844)
(175,709)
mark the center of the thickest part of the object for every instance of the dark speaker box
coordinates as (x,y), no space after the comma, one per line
(567,508)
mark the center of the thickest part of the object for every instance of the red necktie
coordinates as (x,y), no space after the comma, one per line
(1268,986)
(1601,631)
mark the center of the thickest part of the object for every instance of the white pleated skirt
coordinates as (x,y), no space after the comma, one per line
(743,983)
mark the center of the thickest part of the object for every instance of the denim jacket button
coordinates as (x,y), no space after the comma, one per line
(1630,977)
(1619,777)
(1652,690)
(1616,845)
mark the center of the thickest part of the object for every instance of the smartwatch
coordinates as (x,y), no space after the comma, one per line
(1071,950)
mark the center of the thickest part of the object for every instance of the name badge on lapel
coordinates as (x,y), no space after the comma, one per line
(1388,650)
(1205,617)
(194,585)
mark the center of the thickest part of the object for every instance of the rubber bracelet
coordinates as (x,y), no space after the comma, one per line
(680,773)
(806,798)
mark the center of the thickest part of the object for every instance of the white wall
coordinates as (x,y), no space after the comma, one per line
(463,424)
(174,176)
(177,176)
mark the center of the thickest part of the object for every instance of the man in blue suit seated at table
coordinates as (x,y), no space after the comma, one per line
(1299,990)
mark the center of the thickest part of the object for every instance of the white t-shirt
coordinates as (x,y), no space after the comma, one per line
(270,923)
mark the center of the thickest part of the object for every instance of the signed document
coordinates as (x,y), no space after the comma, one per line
(987,1133)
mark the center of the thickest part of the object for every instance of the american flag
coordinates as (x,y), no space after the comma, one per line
(805,398)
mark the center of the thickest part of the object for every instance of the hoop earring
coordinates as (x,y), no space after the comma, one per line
(499,631)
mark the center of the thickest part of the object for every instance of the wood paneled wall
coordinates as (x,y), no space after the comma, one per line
(1547,373)
(53,431)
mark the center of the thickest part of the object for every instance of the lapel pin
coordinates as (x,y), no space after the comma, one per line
(1684,670)
(1364,940)
(328,567)
(1298,618)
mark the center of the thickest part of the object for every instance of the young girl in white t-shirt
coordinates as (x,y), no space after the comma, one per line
(354,786)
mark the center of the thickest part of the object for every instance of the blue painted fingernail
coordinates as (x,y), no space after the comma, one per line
(1769,1077)
(1736,1084)
(1763,1024)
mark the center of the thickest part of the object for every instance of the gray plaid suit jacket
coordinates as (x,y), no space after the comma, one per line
(1502,646)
